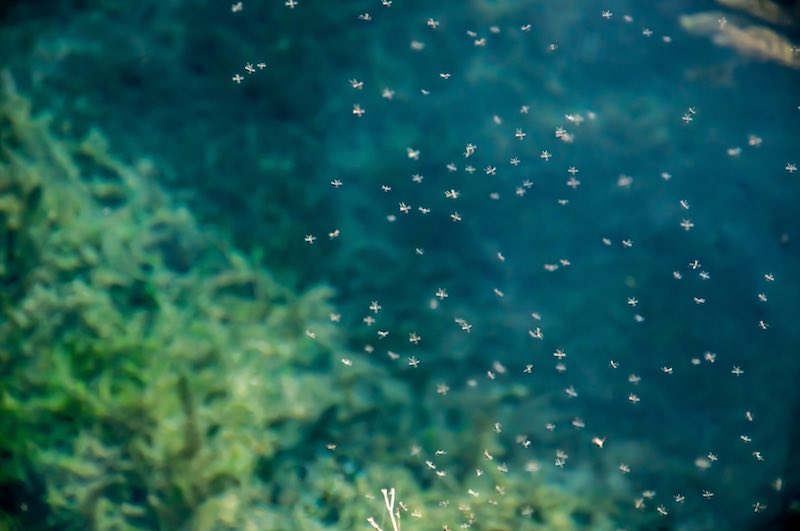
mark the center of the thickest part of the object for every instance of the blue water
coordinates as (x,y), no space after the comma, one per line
(667,271)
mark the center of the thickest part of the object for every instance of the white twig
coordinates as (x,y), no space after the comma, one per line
(388,498)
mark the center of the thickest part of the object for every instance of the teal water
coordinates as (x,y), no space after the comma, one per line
(548,279)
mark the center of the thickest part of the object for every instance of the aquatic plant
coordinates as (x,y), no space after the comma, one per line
(487,264)
(149,371)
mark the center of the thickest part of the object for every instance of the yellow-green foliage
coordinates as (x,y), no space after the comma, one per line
(148,370)
(151,377)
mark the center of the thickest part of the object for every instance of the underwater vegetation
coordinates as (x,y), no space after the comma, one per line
(153,378)
(399,265)
(149,372)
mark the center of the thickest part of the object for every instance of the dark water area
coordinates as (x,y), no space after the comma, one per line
(524,264)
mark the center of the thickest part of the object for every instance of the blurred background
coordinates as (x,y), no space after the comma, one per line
(534,264)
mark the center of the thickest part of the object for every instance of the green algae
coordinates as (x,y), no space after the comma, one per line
(153,377)
(148,369)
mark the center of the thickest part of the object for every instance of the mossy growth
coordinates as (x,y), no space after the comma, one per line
(149,371)
(153,377)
